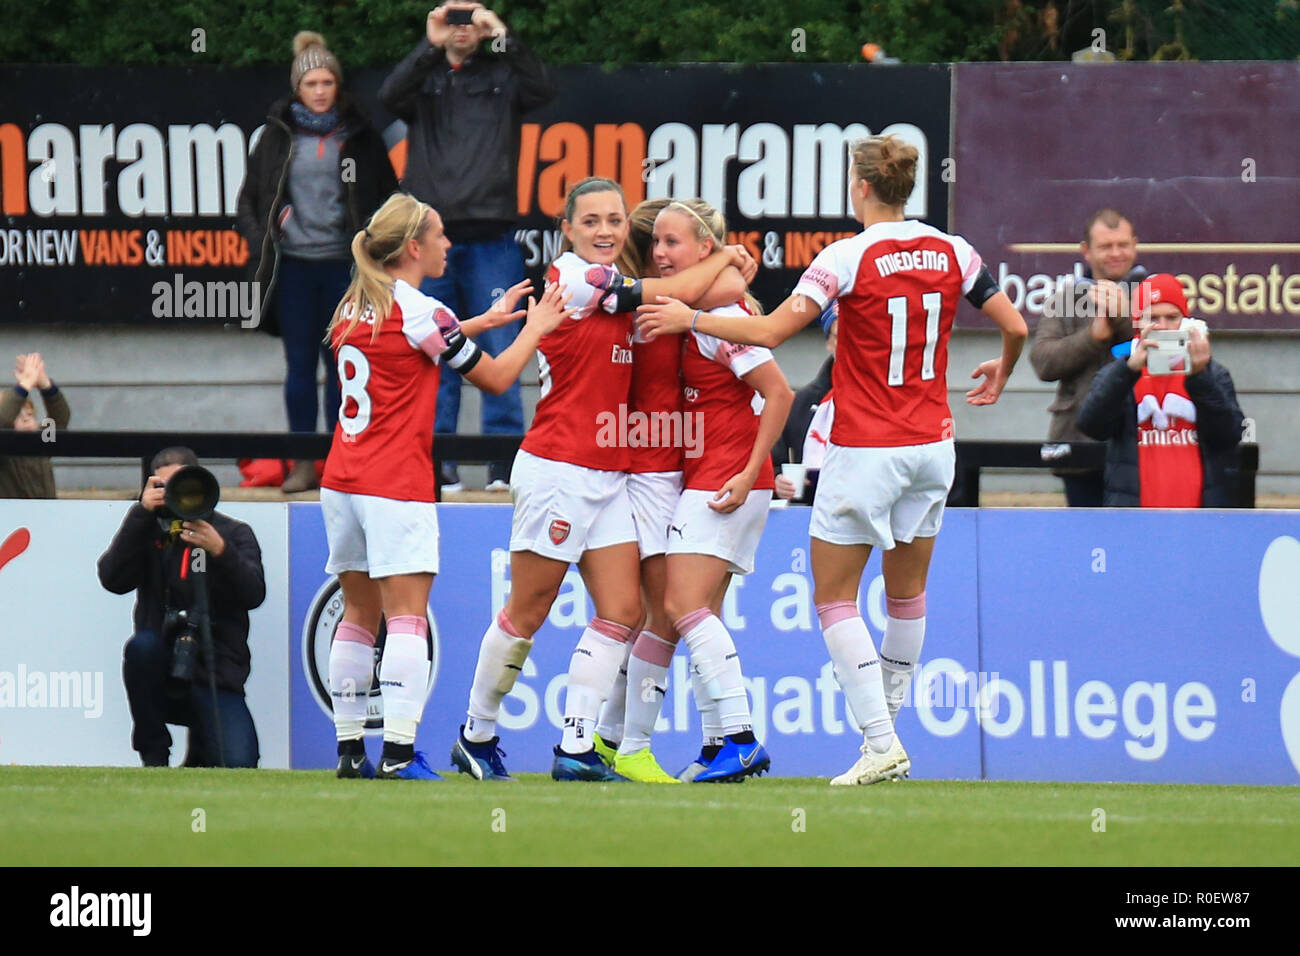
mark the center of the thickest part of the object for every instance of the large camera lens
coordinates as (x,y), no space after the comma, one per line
(192,493)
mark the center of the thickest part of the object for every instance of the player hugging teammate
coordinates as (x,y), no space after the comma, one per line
(570,489)
(890,460)
(657,533)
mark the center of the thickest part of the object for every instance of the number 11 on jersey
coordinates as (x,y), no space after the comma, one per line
(932,302)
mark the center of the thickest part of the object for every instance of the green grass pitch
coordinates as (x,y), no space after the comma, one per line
(58,816)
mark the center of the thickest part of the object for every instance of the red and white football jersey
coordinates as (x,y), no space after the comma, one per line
(657,394)
(383,442)
(898,284)
(724,410)
(585,371)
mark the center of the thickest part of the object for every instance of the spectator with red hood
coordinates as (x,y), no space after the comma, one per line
(1171,439)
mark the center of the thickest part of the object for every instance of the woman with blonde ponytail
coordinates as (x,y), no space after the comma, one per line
(715,524)
(569,484)
(890,460)
(298,212)
(377,493)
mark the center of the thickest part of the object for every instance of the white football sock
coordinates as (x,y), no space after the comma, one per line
(404,677)
(710,729)
(647,683)
(899,651)
(352,667)
(715,654)
(610,723)
(592,670)
(501,657)
(857,668)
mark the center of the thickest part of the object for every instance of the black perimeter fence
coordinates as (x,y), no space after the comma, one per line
(972,456)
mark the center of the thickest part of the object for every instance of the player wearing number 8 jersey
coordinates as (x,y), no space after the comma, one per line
(890,463)
(377,493)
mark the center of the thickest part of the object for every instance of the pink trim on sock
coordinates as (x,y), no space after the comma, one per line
(615,632)
(688,622)
(347,631)
(409,624)
(832,612)
(905,609)
(505,624)
(653,649)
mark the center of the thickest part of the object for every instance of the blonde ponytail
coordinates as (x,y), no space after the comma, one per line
(400,219)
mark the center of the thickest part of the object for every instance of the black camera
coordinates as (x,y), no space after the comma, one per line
(185,649)
(459,16)
(191,494)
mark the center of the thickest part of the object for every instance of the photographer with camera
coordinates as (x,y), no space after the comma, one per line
(183,572)
(1167,411)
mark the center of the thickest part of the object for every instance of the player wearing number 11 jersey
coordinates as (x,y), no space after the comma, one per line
(377,493)
(890,460)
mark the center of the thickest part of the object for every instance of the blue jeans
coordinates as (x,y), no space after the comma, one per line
(156,701)
(308,292)
(474,271)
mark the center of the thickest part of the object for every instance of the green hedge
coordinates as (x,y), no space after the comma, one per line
(378,32)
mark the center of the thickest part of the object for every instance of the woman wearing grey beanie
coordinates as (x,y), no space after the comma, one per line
(317,173)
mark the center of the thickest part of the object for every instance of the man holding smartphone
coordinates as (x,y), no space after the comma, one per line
(462,92)
(1172,427)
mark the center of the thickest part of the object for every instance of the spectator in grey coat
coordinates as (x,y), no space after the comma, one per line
(1080,326)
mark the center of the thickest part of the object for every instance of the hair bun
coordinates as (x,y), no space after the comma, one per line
(305,38)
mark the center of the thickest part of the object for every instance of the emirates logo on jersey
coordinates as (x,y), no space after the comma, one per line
(559,531)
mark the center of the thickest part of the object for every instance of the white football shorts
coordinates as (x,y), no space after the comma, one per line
(698,529)
(880,496)
(564,510)
(380,536)
(654,499)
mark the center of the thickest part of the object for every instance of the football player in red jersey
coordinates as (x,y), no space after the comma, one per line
(890,460)
(377,493)
(659,434)
(716,524)
(569,486)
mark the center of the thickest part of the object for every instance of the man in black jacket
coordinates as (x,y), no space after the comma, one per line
(463,106)
(146,558)
(1171,439)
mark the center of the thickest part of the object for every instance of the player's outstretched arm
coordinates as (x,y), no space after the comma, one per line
(690,285)
(669,315)
(503,311)
(495,375)
(727,289)
(995,372)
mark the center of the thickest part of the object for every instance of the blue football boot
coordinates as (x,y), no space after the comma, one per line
(417,768)
(587,766)
(735,762)
(351,765)
(480,761)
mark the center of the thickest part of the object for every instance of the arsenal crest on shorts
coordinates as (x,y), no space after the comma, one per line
(559,531)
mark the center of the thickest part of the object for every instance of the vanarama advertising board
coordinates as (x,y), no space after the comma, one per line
(124,183)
